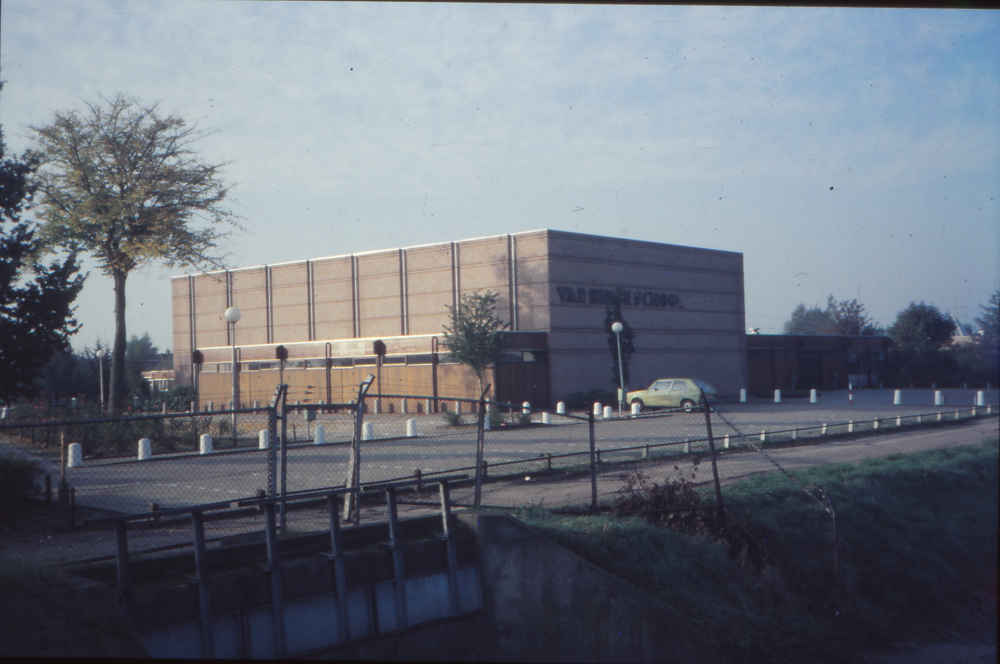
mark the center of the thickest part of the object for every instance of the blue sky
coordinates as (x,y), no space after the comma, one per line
(844,151)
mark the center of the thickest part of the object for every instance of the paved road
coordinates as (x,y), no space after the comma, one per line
(129,486)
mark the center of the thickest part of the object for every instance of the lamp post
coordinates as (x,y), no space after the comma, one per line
(617,328)
(232,317)
(101,354)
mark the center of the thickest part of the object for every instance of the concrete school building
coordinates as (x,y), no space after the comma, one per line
(382,312)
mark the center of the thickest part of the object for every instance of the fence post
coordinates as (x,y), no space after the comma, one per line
(477,498)
(352,501)
(63,493)
(711,449)
(204,594)
(593,459)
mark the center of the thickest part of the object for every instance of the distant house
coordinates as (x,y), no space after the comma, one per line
(159,381)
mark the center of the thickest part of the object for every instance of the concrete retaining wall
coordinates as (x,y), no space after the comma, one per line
(542,603)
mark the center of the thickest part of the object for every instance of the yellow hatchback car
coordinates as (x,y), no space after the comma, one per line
(673,393)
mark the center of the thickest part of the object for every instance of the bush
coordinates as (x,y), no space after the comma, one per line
(18,483)
(452,418)
(495,417)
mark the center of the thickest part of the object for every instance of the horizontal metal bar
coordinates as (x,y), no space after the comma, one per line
(174,511)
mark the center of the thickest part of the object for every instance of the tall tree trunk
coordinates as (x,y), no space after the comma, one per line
(116,395)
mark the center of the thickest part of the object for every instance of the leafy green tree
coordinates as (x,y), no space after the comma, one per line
(812,321)
(122,183)
(849,318)
(475,336)
(919,334)
(845,318)
(36,312)
(613,314)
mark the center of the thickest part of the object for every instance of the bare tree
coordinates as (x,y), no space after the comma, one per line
(122,183)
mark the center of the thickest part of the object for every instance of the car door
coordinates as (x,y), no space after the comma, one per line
(679,391)
(659,393)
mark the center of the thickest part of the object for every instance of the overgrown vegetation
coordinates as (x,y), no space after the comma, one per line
(18,483)
(916,538)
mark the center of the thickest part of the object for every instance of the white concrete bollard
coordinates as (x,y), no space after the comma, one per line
(145,449)
(897,398)
(743,396)
(458,407)
(75,457)
(812,395)
(777,396)
(980,398)
(824,429)
(427,407)
(411,428)
(725,442)
(546,418)
(607,412)
(319,434)
(206,443)
(850,426)
(939,416)
(763,436)
(597,409)
(635,409)
(525,408)
(920,418)
(973,411)
(989,409)
(263,439)
(875,424)
(795,433)
(938,398)
(561,408)
(899,420)
(406,406)
(367,431)
(211,406)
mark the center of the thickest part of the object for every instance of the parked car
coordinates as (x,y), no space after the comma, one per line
(673,393)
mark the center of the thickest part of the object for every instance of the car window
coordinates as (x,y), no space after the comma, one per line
(681,386)
(661,385)
(704,386)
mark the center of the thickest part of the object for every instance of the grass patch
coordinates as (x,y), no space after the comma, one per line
(916,536)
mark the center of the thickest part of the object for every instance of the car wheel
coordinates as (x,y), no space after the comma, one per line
(638,401)
(687,405)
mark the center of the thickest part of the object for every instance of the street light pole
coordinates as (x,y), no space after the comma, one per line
(232,317)
(101,354)
(617,328)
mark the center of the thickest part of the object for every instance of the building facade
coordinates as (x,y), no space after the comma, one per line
(786,362)
(686,306)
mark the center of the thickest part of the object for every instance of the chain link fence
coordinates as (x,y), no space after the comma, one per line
(525,457)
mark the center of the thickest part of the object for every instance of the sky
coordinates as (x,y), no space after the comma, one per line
(852,152)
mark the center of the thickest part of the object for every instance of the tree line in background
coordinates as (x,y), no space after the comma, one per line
(71,374)
(925,348)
